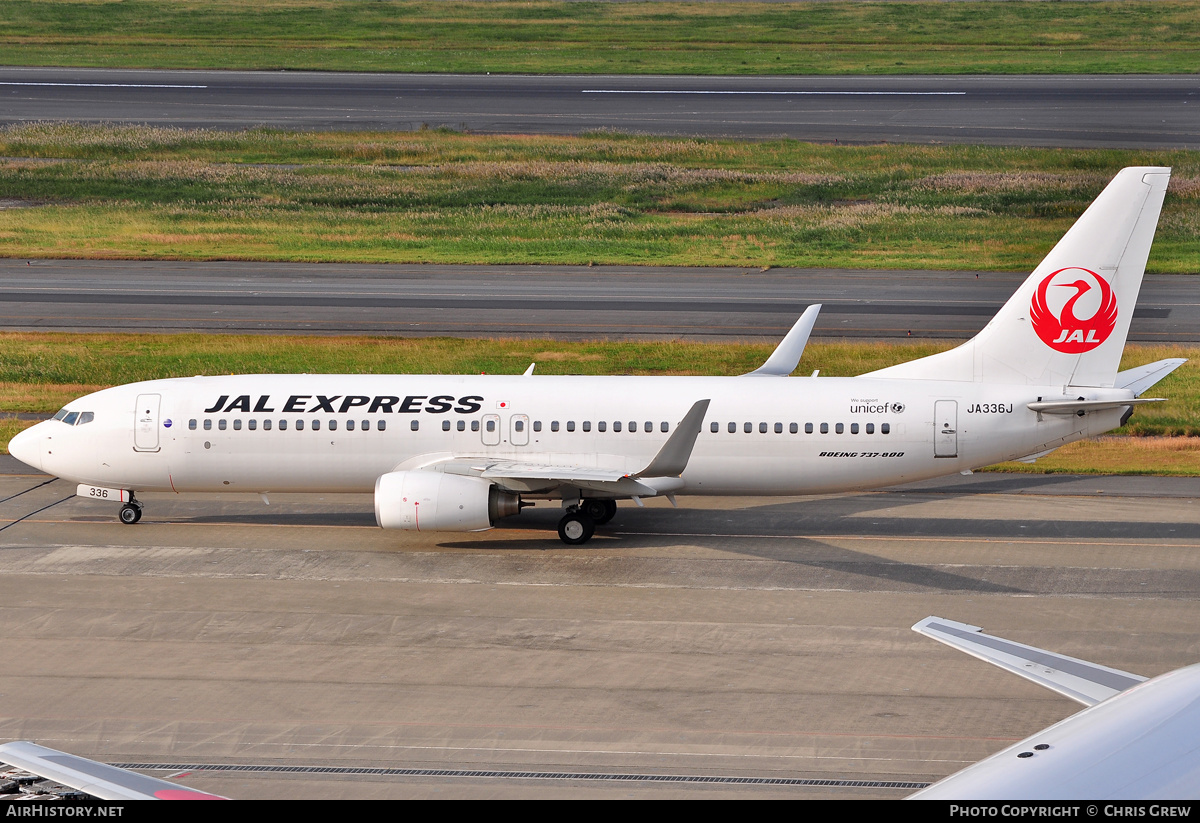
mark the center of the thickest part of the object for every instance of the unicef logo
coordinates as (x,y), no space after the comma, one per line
(897,408)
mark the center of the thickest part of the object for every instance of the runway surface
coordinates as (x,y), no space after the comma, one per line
(562,302)
(1085,111)
(732,638)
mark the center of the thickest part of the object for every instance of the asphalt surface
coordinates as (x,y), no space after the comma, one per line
(1151,112)
(764,639)
(562,302)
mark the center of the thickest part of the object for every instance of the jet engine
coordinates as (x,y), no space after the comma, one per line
(434,501)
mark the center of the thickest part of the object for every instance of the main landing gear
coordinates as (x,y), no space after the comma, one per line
(131,512)
(579,523)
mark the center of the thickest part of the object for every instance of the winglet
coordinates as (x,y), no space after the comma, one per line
(1083,682)
(673,457)
(786,357)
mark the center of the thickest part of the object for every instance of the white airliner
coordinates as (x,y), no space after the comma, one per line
(1138,740)
(459,453)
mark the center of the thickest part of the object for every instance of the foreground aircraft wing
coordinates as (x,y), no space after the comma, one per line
(97,779)
(1137,740)
(1083,682)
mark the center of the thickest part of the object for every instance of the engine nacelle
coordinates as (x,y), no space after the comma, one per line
(433,501)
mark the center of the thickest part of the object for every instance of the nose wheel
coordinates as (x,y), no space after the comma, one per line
(130,513)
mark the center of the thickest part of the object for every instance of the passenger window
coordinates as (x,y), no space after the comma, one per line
(616,425)
(491,425)
(283,425)
(237,425)
(208,425)
(366,425)
(519,425)
(570,425)
(316,425)
(870,428)
(192,424)
(601,426)
(854,428)
(553,425)
(221,424)
(381,425)
(333,425)
(762,428)
(824,428)
(649,427)
(252,424)
(266,425)
(793,428)
(732,427)
(779,428)
(665,426)
(445,425)
(885,428)
(299,425)
(537,425)
(587,425)
(839,428)
(462,425)
(747,427)
(349,425)
(474,425)
(415,425)
(714,427)
(808,428)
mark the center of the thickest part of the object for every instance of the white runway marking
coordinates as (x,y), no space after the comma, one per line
(104,85)
(848,93)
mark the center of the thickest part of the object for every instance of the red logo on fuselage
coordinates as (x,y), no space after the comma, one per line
(1063,330)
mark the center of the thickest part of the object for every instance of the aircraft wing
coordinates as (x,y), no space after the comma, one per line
(97,779)
(660,475)
(1083,682)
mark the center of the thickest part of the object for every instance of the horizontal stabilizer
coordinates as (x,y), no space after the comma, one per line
(1083,682)
(787,354)
(1084,406)
(1143,377)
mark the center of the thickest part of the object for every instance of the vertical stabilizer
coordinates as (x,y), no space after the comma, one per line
(1067,323)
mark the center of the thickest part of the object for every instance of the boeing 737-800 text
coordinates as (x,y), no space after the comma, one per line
(458,453)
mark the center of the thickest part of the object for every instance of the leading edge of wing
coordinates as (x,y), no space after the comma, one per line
(1082,681)
(97,779)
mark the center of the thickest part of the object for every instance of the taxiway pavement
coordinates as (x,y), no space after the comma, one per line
(732,638)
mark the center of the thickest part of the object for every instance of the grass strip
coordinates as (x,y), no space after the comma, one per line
(547,37)
(152,193)
(42,372)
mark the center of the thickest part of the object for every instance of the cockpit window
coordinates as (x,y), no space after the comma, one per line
(61,414)
(71,418)
(86,417)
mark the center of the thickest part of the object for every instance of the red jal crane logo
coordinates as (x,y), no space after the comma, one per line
(1065,331)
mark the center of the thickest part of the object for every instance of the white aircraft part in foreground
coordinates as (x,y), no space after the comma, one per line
(1138,740)
(92,777)
(457,453)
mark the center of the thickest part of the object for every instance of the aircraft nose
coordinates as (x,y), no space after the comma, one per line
(26,447)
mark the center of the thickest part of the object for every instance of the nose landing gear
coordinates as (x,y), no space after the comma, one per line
(131,512)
